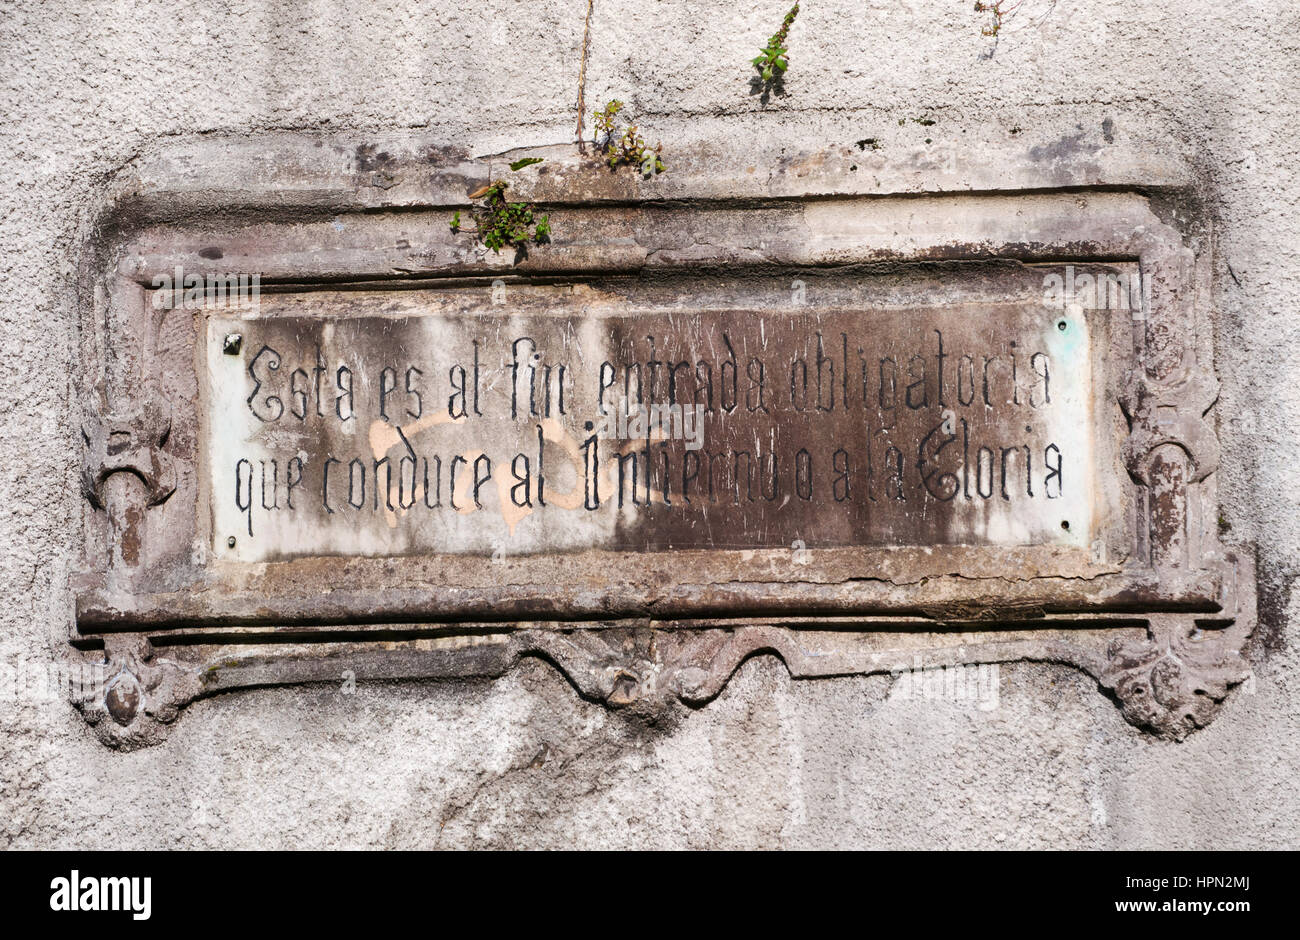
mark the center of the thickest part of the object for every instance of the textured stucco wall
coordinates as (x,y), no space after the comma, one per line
(86,86)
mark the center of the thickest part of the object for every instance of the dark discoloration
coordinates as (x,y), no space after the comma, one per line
(370,158)
(1276,580)
(1066,148)
(129,537)
(1168,475)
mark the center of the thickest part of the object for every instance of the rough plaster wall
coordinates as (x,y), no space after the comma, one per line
(524,762)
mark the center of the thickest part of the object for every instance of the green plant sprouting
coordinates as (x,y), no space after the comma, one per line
(624,146)
(501,224)
(772,60)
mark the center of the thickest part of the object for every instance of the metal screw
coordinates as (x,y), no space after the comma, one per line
(230,542)
(1061,325)
(232,343)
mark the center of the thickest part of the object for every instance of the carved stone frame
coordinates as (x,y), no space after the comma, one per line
(1163,630)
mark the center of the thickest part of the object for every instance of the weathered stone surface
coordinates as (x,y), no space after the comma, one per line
(911,485)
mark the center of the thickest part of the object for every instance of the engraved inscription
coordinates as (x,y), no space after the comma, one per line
(427,431)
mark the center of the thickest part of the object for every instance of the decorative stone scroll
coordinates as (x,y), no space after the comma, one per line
(855,428)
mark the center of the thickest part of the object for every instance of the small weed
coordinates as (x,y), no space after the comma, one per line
(772,60)
(624,146)
(500,224)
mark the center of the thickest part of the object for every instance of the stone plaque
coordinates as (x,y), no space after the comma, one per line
(846,418)
(382,426)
